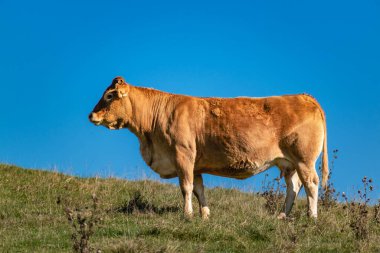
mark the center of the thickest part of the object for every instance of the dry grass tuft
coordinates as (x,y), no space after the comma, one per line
(273,193)
(359,211)
(376,213)
(83,222)
(329,196)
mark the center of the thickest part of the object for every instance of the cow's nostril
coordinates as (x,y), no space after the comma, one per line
(90,116)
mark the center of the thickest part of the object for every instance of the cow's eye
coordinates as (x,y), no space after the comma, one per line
(109,97)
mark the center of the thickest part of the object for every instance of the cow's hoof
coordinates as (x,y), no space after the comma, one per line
(188,216)
(205,213)
(281,216)
(313,217)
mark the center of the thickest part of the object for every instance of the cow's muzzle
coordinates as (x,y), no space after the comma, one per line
(93,117)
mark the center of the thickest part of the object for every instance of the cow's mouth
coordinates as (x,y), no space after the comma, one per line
(118,124)
(96,122)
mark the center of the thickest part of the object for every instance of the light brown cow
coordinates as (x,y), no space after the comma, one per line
(184,136)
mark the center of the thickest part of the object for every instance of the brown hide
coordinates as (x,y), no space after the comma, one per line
(231,137)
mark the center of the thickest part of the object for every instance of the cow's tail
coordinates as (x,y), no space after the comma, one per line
(325,160)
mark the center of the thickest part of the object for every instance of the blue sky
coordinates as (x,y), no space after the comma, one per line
(57,57)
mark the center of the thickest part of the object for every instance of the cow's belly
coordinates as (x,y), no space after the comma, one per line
(239,172)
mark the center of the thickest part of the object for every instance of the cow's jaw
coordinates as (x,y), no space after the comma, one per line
(116,125)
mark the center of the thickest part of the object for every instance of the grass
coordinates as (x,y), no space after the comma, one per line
(146,216)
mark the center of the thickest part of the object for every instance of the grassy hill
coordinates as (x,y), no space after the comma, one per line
(38,211)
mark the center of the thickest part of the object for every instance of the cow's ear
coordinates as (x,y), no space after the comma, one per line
(118,80)
(121,86)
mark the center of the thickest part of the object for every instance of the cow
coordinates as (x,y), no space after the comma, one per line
(185,137)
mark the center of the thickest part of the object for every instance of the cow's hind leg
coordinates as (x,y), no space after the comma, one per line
(199,193)
(310,180)
(293,186)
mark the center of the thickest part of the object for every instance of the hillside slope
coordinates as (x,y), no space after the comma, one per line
(146,216)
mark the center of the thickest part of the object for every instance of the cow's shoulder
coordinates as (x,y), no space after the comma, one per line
(184,106)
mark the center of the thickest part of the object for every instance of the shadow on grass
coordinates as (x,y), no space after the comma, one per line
(140,205)
(255,235)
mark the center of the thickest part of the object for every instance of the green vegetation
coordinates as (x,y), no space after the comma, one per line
(38,211)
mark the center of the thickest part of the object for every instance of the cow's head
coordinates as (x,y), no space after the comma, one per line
(114,107)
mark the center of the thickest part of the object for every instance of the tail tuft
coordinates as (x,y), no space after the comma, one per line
(325,161)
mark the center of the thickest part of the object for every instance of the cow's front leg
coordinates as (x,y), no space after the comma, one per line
(186,184)
(199,193)
(185,170)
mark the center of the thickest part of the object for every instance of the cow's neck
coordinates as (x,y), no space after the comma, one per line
(147,105)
